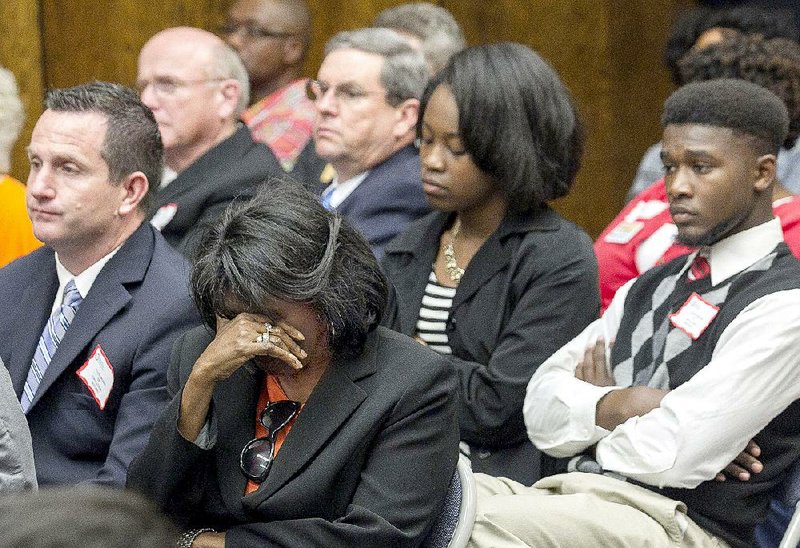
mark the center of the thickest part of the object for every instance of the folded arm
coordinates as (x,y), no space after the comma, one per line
(700,427)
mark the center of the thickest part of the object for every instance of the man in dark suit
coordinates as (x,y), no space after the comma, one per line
(88,321)
(367,98)
(197,87)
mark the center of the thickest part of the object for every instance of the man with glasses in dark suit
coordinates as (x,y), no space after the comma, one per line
(197,87)
(367,96)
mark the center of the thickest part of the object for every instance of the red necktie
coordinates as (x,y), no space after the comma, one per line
(700,268)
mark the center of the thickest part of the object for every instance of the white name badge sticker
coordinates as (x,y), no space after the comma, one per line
(98,376)
(694,316)
(164,215)
(624,232)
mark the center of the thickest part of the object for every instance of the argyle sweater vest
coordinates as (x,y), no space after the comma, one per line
(650,351)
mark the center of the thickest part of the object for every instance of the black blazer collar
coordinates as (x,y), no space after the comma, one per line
(421,243)
(233,147)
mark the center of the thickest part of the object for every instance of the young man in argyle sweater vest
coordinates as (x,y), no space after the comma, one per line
(692,364)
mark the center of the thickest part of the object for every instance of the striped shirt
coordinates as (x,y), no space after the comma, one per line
(433,314)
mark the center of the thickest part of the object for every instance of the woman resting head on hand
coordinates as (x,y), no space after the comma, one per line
(295,419)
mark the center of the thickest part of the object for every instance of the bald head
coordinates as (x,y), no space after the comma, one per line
(272,38)
(196,87)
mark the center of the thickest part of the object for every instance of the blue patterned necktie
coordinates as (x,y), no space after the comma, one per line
(51,337)
(327,197)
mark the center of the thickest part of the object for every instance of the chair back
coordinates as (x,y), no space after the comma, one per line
(453,527)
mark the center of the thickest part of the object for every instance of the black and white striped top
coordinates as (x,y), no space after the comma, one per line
(433,314)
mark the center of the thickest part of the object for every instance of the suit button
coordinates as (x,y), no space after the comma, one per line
(451,325)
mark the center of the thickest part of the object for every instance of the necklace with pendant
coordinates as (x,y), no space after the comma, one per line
(450,263)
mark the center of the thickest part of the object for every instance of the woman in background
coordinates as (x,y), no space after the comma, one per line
(495,279)
(16,231)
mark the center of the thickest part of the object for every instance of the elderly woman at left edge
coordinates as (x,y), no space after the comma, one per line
(367,416)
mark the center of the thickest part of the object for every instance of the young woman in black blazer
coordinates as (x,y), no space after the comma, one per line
(495,278)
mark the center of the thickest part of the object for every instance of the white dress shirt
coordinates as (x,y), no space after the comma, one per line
(83,281)
(703,424)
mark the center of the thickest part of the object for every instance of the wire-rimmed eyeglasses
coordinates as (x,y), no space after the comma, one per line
(344,93)
(251,30)
(169,86)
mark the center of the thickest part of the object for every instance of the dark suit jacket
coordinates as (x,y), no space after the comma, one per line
(367,463)
(528,290)
(387,200)
(137,306)
(231,170)
(17,471)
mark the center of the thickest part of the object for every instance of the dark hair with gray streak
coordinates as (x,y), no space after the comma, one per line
(404,73)
(132,142)
(284,245)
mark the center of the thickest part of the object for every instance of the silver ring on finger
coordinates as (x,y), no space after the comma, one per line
(266,336)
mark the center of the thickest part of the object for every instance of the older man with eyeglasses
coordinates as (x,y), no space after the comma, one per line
(197,87)
(367,98)
(272,38)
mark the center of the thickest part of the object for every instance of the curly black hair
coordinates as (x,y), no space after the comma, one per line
(771,63)
(742,106)
(689,25)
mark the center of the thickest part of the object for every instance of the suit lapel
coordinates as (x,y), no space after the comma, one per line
(106,298)
(235,404)
(377,173)
(492,257)
(180,185)
(201,170)
(331,404)
(35,308)
(496,253)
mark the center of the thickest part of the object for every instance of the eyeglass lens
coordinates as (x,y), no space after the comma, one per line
(257,456)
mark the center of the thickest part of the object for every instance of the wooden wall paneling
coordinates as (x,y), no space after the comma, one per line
(332,16)
(22,54)
(639,85)
(87,40)
(573,37)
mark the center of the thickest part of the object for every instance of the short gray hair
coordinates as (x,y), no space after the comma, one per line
(404,73)
(12,117)
(226,63)
(436,28)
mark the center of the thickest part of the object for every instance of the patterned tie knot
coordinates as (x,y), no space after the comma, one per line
(72,298)
(700,268)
